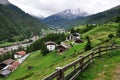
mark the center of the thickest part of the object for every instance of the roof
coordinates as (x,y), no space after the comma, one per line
(50,43)
(2,51)
(8,61)
(76,34)
(21,53)
(78,41)
(5,72)
(64,45)
(14,65)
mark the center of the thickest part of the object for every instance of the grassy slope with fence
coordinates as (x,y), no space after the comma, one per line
(103,68)
(44,65)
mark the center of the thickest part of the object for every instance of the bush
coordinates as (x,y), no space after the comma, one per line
(111,36)
(44,50)
(88,45)
(118,31)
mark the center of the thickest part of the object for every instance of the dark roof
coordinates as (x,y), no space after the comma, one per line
(50,43)
(78,41)
(21,53)
(8,61)
(75,34)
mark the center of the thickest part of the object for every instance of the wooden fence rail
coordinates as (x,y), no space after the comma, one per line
(73,70)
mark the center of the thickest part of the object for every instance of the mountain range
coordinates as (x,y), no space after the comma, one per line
(65,18)
(69,18)
(16,24)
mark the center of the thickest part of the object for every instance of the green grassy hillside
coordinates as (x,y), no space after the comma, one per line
(99,34)
(44,65)
(103,68)
(16,24)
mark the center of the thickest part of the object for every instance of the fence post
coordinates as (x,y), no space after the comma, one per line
(92,56)
(112,46)
(81,62)
(61,73)
(115,46)
(82,58)
(99,48)
(106,49)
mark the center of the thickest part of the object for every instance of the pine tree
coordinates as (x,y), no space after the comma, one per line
(88,45)
(118,31)
(44,49)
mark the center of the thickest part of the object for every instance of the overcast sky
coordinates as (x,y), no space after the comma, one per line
(49,7)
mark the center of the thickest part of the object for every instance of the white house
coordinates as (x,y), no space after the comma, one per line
(73,36)
(50,45)
(34,38)
(19,54)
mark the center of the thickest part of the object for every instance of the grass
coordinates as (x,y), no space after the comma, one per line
(44,65)
(99,34)
(102,68)
(6,44)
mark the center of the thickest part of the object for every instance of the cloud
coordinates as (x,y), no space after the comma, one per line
(49,7)
(4,2)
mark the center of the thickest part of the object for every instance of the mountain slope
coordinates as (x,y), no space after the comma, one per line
(65,18)
(14,23)
(104,16)
(101,17)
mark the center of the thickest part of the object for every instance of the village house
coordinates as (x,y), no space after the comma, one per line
(19,54)
(34,38)
(5,73)
(78,41)
(73,36)
(6,63)
(13,66)
(2,51)
(60,30)
(4,67)
(50,45)
(62,47)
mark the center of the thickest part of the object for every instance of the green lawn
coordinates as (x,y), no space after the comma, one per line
(102,68)
(44,65)
(99,34)
(6,44)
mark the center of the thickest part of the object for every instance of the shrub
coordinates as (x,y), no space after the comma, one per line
(88,45)
(118,31)
(111,36)
(44,50)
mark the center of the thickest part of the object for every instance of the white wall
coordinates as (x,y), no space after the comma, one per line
(51,47)
(17,56)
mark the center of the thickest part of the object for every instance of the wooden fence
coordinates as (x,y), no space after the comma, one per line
(73,70)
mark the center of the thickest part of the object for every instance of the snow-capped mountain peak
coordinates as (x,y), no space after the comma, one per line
(72,13)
